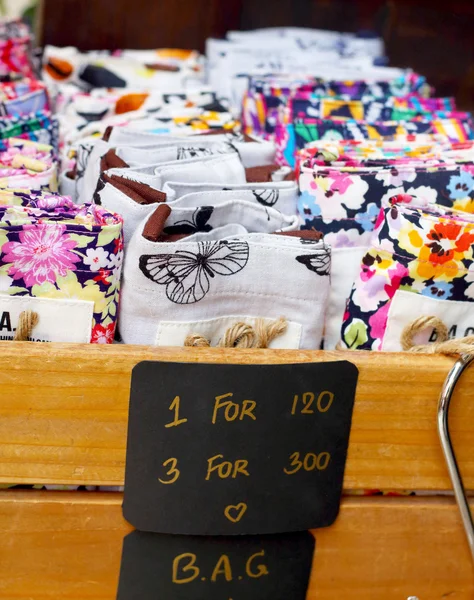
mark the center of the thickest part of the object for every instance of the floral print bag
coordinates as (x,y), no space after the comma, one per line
(63,261)
(420,263)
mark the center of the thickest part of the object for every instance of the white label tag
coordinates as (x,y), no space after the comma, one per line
(174,333)
(458,317)
(59,320)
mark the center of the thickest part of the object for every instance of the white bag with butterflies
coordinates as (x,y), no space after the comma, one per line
(219,162)
(205,283)
(253,151)
(281,195)
(122,191)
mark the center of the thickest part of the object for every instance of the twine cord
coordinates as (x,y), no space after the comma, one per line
(26,323)
(240,335)
(196,340)
(243,335)
(443,344)
(267,332)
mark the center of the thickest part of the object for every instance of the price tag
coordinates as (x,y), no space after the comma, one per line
(237,449)
(237,568)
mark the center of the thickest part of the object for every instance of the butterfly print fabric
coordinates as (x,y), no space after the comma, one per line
(191,213)
(253,151)
(139,149)
(198,221)
(187,275)
(207,281)
(281,195)
(320,262)
(223,168)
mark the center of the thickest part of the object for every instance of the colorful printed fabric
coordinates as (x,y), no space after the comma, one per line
(167,69)
(90,113)
(357,152)
(28,165)
(52,248)
(416,102)
(344,203)
(293,136)
(33,198)
(15,47)
(41,127)
(266,98)
(304,105)
(421,261)
(23,98)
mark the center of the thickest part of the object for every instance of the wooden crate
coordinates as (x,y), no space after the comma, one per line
(63,418)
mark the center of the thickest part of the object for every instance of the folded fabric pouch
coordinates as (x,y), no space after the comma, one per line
(28,165)
(266,97)
(253,151)
(15,48)
(281,195)
(216,167)
(40,127)
(91,121)
(354,152)
(306,105)
(344,203)
(156,68)
(208,283)
(23,98)
(181,150)
(216,164)
(100,103)
(165,149)
(420,263)
(292,137)
(63,262)
(192,120)
(192,212)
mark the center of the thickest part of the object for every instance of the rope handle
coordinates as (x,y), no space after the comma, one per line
(443,345)
(26,323)
(243,335)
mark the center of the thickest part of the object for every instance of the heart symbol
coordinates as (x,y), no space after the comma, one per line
(235,513)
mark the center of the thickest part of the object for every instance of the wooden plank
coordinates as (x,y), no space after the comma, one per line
(68,545)
(63,414)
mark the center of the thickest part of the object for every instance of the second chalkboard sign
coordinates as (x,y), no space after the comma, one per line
(219,449)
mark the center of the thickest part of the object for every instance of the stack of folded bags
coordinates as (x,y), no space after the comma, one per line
(15,44)
(341,97)
(212,240)
(347,187)
(385,173)
(289,190)
(60,262)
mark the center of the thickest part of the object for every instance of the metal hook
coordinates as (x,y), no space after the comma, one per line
(443,430)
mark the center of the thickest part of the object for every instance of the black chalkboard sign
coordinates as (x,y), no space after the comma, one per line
(219,449)
(169,567)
